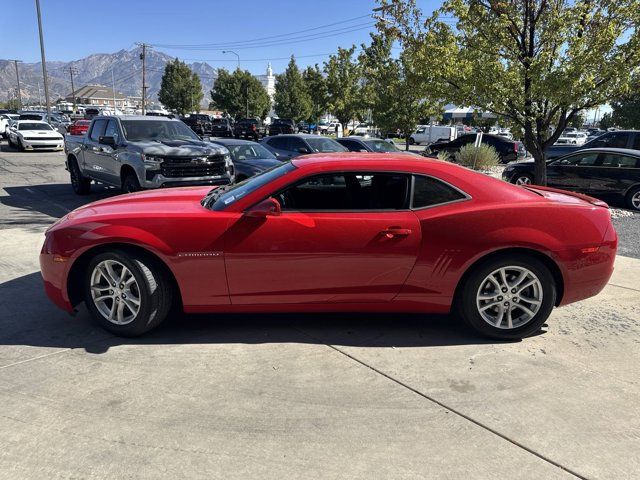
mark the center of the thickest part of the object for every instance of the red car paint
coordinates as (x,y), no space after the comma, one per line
(339,261)
(79,127)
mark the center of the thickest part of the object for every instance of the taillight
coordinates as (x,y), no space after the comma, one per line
(515,147)
(253,127)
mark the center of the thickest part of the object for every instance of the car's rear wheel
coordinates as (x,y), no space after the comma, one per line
(522,179)
(20,145)
(80,184)
(127,294)
(507,297)
(411,141)
(130,183)
(633,198)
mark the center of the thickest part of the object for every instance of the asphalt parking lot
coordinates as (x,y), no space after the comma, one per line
(304,396)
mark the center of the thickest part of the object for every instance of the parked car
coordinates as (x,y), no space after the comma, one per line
(281,126)
(363,129)
(572,138)
(249,158)
(141,152)
(34,134)
(367,144)
(615,139)
(328,233)
(58,122)
(250,128)
(432,133)
(508,150)
(79,127)
(285,147)
(602,172)
(323,126)
(199,123)
(221,127)
(6,120)
(331,128)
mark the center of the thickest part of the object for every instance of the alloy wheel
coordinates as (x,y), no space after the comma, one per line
(115,292)
(523,180)
(509,297)
(635,200)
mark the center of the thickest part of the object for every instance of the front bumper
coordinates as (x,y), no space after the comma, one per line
(159,181)
(55,144)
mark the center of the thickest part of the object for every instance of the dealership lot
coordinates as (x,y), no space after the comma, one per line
(315,396)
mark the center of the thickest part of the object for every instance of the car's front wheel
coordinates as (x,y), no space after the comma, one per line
(80,184)
(130,183)
(507,297)
(633,198)
(127,294)
(522,179)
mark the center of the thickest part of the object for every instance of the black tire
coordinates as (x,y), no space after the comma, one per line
(411,141)
(522,179)
(130,183)
(153,287)
(466,299)
(80,184)
(9,141)
(633,196)
(20,145)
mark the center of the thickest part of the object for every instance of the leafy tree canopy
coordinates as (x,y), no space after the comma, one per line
(235,93)
(292,99)
(316,87)
(344,86)
(180,89)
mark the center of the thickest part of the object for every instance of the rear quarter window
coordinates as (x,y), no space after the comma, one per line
(428,191)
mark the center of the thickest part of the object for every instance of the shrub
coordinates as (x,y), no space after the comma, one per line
(444,156)
(479,158)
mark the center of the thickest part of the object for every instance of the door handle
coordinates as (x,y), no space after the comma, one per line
(396,232)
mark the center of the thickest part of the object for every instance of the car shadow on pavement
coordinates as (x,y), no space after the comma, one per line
(28,318)
(52,199)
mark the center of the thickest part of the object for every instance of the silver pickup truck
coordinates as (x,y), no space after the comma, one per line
(140,152)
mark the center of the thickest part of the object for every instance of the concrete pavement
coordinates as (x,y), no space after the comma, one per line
(302,396)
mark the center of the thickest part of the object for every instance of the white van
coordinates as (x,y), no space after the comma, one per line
(432,133)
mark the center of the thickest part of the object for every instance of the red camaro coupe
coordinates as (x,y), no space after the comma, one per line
(335,232)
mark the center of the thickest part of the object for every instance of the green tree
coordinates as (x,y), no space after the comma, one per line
(392,91)
(240,95)
(316,87)
(606,121)
(180,89)
(344,86)
(538,63)
(292,98)
(626,111)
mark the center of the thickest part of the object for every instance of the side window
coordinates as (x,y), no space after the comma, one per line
(351,145)
(428,191)
(611,139)
(466,139)
(636,142)
(614,160)
(280,143)
(580,160)
(348,191)
(97,130)
(112,130)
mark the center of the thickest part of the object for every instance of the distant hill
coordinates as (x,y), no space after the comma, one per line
(96,69)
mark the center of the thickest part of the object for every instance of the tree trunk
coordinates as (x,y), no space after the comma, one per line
(540,167)
(406,141)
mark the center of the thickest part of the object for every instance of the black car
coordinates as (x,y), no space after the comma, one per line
(250,128)
(199,123)
(221,127)
(615,139)
(249,158)
(601,172)
(508,150)
(282,126)
(365,144)
(285,147)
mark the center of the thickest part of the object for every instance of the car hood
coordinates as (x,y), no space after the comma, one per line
(40,133)
(259,162)
(179,148)
(151,203)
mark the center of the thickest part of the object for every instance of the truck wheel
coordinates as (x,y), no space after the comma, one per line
(80,184)
(130,183)
(411,141)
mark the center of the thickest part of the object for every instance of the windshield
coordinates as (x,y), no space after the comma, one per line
(157,130)
(324,145)
(222,197)
(34,126)
(248,152)
(381,146)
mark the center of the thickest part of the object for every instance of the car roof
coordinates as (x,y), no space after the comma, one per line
(621,151)
(298,135)
(233,141)
(148,118)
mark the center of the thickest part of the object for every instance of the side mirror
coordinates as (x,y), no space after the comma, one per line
(269,207)
(107,141)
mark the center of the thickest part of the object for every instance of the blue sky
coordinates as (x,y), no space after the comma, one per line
(74,29)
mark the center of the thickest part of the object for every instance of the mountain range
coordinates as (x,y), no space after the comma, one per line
(124,68)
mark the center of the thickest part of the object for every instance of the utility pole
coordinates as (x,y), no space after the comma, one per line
(73,89)
(15,62)
(44,61)
(113,83)
(247,93)
(143,57)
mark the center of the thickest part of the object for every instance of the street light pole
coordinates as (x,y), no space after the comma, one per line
(237,56)
(15,62)
(44,61)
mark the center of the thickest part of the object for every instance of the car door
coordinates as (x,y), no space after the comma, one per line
(341,237)
(107,156)
(614,174)
(92,150)
(279,147)
(573,172)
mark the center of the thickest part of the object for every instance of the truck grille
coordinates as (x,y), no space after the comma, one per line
(184,167)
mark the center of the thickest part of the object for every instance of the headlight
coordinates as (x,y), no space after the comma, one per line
(151,162)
